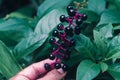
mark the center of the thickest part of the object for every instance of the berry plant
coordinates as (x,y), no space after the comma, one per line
(65,36)
(81,36)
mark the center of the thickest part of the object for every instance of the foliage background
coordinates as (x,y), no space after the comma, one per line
(25,27)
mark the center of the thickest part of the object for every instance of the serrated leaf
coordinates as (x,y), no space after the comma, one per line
(49,5)
(48,22)
(14,30)
(103,66)
(85,46)
(87,70)
(8,64)
(110,16)
(114,71)
(28,45)
(97,6)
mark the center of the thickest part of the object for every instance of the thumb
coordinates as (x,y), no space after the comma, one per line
(55,74)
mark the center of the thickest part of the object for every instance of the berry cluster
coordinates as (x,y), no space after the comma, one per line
(62,41)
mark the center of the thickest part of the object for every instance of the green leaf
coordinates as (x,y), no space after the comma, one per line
(48,22)
(87,70)
(114,71)
(100,42)
(8,63)
(85,46)
(28,45)
(103,66)
(107,31)
(115,42)
(49,5)
(97,6)
(14,30)
(110,16)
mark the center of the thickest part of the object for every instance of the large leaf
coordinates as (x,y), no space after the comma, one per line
(49,5)
(110,16)
(28,45)
(87,70)
(97,6)
(115,42)
(14,30)
(114,70)
(85,46)
(48,22)
(8,63)
(100,42)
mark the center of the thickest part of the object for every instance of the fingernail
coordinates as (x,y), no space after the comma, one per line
(60,71)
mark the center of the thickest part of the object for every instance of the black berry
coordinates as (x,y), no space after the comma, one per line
(77,30)
(84,17)
(72,42)
(51,56)
(52,40)
(55,33)
(57,65)
(69,31)
(47,66)
(60,26)
(79,21)
(65,67)
(52,49)
(62,18)
(69,7)
(71,12)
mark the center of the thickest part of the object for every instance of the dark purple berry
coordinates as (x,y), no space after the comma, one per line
(79,21)
(47,66)
(52,49)
(72,42)
(65,67)
(71,12)
(55,33)
(52,40)
(69,31)
(84,17)
(60,27)
(77,30)
(51,56)
(62,18)
(57,65)
(69,7)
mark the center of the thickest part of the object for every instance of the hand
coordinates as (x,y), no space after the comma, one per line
(37,71)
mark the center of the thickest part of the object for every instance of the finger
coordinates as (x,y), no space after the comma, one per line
(34,70)
(54,75)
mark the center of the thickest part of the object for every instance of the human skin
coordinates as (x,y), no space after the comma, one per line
(37,71)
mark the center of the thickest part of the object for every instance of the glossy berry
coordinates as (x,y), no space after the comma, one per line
(72,43)
(57,65)
(52,49)
(84,17)
(62,18)
(65,67)
(69,31)
(55,33)
(51,56)
(52,40)
(71,12)
(69,7)
(79,21)
(77,30)
(60,26)
(47,66)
